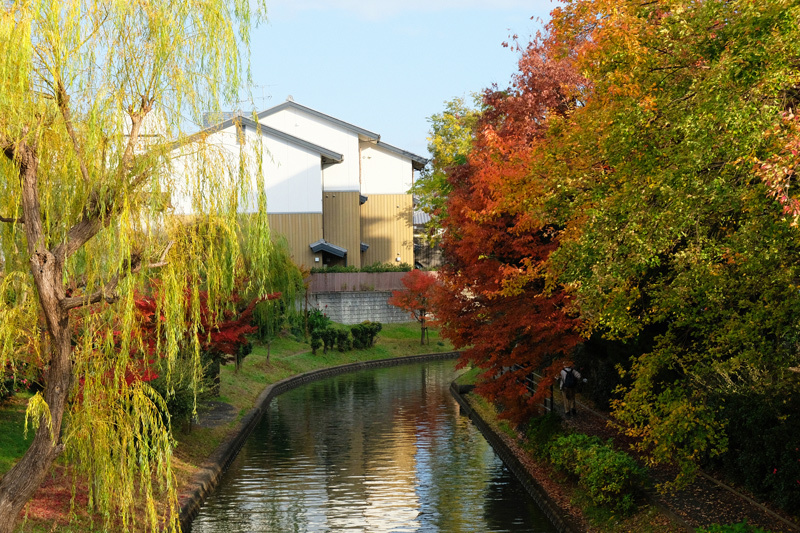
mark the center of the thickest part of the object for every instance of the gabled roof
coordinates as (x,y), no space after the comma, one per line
(417,162)
(289,104)
(328,156)
(324,246)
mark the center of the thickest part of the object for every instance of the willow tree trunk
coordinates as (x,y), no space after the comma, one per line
(19,484)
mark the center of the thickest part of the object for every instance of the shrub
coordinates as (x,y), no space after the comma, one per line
(243,351)
(317,321)
(178,394)
(565,450)
(375,267)
(386,267)
(333,269)
(344,342)
(23,377)
(364,334)
(316,341)
(542,431)
(609,476)
(328,336)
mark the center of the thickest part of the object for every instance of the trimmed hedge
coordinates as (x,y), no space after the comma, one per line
(364,334)
(375,267)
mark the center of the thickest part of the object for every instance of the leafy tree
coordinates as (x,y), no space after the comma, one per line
(450,140)
(416,298)
(669,173)
(92,99)
(495,301)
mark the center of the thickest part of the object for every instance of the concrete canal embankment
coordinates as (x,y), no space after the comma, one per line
(561,520)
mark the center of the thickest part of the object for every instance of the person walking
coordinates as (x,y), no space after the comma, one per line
(569,386)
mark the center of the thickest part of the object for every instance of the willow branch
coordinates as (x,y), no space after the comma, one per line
(13,220)
(106,293)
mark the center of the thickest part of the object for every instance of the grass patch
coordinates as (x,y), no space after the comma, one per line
(12,423)
(468,377)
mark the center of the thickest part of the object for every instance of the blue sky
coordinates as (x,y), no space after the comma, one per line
(387,65)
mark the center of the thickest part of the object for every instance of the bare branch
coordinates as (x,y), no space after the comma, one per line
(106,293)
(13,220)
(63,105)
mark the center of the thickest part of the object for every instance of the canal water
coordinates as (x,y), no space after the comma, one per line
(373,451)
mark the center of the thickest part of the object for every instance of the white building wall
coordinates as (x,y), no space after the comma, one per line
(293,177)
(292,174)
(384,172)
(343,176)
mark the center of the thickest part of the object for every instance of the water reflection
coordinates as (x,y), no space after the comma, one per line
(376,451)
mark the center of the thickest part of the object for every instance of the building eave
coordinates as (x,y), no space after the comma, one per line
(417,162)
(324,246)
(329,157)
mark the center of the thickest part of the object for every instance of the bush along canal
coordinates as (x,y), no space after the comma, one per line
(371,451)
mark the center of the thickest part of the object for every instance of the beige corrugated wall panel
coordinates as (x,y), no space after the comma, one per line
(387,226)
(340,223)
(300,230)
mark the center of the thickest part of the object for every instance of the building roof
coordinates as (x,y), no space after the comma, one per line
(324,246)
(421,217)
(328,156)
(291,104)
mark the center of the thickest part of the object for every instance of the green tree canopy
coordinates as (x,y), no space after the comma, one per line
(669,224)
(451,136)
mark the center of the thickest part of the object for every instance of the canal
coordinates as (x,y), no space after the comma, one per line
(373,451)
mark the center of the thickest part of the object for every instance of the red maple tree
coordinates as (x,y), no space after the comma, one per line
(416,298)
(220,335)
(494,300)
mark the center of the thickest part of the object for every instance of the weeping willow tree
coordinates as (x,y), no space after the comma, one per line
(94,100)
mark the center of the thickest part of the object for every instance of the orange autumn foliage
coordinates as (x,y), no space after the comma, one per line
(494,300)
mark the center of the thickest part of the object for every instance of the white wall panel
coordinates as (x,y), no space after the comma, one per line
(384,172)
(292,174)
(340,177)
(293,177)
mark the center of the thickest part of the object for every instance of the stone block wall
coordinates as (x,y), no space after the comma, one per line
(356,307)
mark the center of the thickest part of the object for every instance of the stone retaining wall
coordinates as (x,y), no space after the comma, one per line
(207,478)
(356,307)
(559,519)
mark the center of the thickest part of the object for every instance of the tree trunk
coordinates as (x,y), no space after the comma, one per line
(20,483)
